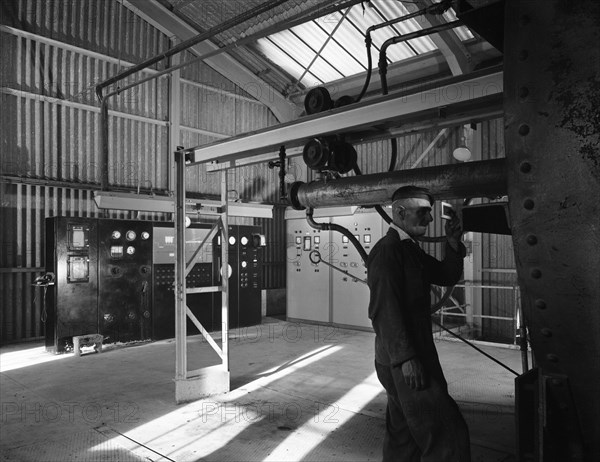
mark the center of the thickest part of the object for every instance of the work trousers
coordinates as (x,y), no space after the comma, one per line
(424,425)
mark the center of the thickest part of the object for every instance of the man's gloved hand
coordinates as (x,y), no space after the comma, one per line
(453,231)
(414,374)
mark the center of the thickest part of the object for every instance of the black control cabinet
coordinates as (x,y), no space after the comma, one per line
(125,279)
(245,281)
(72,302)
(103,280)
(116,278)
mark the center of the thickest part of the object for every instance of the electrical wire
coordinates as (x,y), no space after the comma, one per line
(487,355)
(339,229)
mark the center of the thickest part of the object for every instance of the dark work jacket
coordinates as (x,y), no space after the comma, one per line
(399,274)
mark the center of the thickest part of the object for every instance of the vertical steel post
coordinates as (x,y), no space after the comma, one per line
(174,118)
(521,331)
(224,274)
(180,298)
(104,144)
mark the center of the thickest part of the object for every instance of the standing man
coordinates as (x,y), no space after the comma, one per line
(423,422)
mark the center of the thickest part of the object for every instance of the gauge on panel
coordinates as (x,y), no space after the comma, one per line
(130,250)
(232,240)
(130,235)
(244,240)
(116,234)
(244,264)
(145,235)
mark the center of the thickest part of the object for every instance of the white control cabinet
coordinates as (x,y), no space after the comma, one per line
(317,292)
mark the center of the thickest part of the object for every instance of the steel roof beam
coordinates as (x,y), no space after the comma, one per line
(166,21)
(389,111)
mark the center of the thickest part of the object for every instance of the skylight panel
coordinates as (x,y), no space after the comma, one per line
(285,62)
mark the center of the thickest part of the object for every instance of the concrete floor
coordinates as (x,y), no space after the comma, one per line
(299,392)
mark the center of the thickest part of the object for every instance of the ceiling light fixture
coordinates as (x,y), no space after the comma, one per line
(462,152)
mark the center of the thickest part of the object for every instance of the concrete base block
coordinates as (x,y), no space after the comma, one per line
(209,381)
(87,340)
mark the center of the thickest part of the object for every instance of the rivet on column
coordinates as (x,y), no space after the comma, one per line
(524,20)
(546,332)
(523,129)
(525,167)
(531,239)
(523,92)
(528,204)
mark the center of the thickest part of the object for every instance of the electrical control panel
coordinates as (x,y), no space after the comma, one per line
(250,247)
(72,302)
(116,278)
(308,283)
(350,297)
(317,292)
(245,273)
(125,280)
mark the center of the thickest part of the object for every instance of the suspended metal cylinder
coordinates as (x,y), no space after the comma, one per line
(454,181)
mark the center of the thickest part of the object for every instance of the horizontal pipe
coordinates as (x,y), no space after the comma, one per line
(453,181)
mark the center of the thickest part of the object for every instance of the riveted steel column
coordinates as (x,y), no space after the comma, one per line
(552,119)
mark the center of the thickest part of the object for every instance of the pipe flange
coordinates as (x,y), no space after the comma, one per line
(293,195)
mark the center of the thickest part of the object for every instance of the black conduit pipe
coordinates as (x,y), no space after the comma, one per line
(437,8)
(404,38)
(339,229)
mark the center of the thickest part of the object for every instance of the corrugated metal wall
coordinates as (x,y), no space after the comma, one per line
(54,53)
(498,259)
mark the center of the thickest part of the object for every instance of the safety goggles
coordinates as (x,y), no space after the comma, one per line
(421,207)
(420,212)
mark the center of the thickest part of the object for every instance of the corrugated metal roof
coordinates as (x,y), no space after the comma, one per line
(344,54)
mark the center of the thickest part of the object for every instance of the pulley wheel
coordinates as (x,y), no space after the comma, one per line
(317,100)
(344,101)
(316,153)
(343,157)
